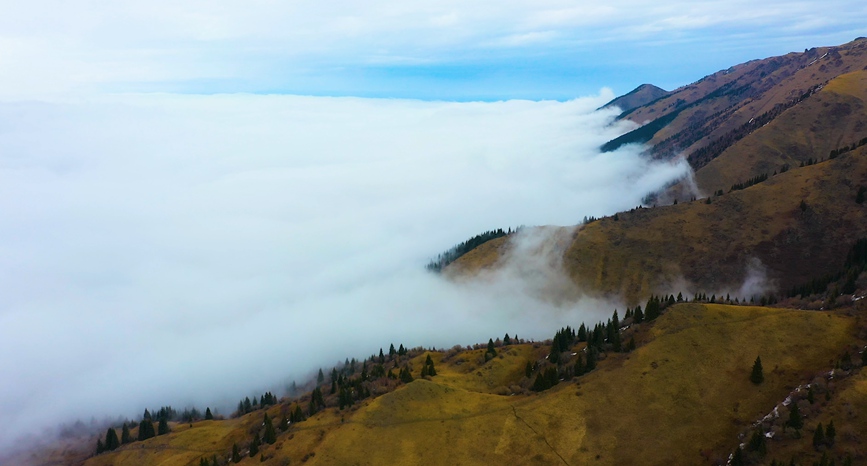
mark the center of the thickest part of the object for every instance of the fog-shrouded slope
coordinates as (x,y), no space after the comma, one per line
(713,247)
(641,95)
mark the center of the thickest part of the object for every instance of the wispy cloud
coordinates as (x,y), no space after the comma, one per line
(74,46)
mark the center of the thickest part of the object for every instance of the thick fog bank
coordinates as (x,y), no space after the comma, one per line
(163,249)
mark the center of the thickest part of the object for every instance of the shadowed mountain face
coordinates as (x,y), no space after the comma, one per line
(704,120)
(761,137)
(641,95)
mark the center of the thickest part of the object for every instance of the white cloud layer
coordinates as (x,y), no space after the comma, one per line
(177,249)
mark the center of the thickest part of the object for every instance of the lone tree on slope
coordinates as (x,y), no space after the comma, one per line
(757,376)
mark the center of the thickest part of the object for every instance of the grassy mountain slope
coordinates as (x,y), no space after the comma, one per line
(713,107)
(649,250)
(680,398)
(834,117)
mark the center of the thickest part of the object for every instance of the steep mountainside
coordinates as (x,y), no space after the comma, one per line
(761,136)
(703,119)
(712,245)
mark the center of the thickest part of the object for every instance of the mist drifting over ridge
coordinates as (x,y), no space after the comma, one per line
(166,249)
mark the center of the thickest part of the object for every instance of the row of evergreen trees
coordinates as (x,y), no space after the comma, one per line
(146,428)
(247,405)
(835,152)
(460,249)
(855,263)
(750,182)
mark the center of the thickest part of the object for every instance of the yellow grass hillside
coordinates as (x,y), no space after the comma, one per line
(710,247)
(833,118)
(680,398)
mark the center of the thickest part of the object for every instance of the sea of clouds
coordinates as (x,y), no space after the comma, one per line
(179,250)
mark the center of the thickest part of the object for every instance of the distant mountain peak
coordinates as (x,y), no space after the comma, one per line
(641,95)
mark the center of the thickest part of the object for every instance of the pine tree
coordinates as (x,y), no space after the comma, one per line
(270,435)
(491,350)
(757,443)
(818,437)
(638,315)
(254,446)
(506,340)
(429,364)
(795,421)
(830,434)
(757,376)
(146,429)
(99,446)
(111,441)
(163,427)
(738,458)
(125,436)
(810,395)
(236,454)
(284,424)
(321,377)
(208,415)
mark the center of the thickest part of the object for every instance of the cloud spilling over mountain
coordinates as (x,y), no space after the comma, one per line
(165,249)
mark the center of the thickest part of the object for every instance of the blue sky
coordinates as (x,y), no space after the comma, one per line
(447,50)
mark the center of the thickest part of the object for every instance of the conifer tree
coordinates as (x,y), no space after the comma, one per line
(846,361)
(652,309)
(320,377)
(830,434)
(381,356)
(757,375)
(819,437)
(270,435)
(864,358)
(99,446)
(810,396)
(579,366)
(491,350)
(236,454)
(208,415)
(163,427)
(738,458)
(146,429)
(506,340)
(391,352)
(582,333)
(254,446)
(284,423)
(757,443)
(795,421)
(111,441)
(125,436)
(638,315)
